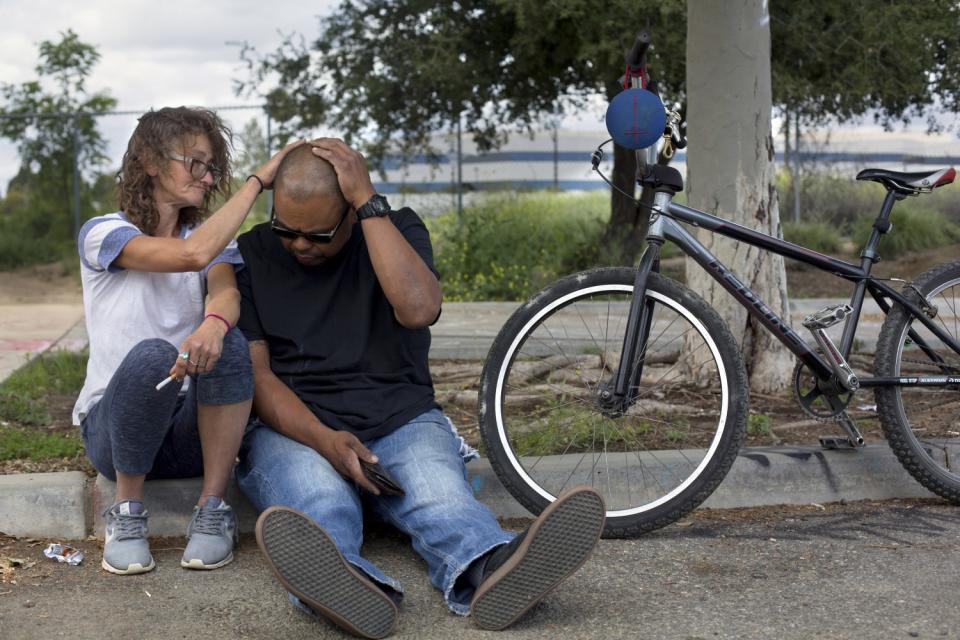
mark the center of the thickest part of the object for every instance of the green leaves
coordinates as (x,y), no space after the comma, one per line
(394,73)
(845,58)
(51,120)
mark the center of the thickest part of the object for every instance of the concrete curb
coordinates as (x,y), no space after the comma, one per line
(44,505)
(69,505)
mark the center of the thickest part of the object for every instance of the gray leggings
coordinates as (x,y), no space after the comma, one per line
(138,430)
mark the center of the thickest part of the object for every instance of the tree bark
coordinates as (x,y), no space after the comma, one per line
(623,239)
(617,244)
(731,171)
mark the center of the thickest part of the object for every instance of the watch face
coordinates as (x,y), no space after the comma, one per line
(376,206)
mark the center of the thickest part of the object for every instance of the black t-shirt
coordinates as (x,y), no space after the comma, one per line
(332,333)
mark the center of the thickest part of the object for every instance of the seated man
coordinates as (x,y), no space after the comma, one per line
(336,300)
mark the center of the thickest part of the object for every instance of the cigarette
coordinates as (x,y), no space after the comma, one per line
(164,382)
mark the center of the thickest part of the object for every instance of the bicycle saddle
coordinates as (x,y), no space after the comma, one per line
(909,183)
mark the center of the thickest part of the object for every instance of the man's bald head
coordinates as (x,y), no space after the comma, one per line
(303,176)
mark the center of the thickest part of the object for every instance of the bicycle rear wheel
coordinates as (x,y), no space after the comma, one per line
(922,424)
(544,430)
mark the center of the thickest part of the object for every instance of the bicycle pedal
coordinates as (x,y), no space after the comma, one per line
(827,317)
(837,442)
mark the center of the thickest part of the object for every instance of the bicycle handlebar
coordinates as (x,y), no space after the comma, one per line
(637,57)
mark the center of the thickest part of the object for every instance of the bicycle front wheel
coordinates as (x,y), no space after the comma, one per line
(922,423)
(544,430)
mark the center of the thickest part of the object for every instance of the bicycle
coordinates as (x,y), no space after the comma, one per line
(626,380)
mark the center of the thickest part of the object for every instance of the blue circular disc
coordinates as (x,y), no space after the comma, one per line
(636,118)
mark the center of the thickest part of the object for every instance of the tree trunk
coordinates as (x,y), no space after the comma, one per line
(615,245)
(730,168)
(623,240)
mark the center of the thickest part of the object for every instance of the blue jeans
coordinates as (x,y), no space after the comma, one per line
(447,525)
(138,430)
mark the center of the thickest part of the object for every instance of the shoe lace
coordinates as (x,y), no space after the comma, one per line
(210,521)
(129,526)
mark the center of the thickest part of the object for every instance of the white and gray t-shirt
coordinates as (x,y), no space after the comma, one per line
(124,307)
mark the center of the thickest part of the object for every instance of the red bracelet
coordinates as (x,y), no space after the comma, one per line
(220,318)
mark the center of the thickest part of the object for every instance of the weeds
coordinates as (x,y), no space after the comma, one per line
(34,444)
(758,424)
(23,396)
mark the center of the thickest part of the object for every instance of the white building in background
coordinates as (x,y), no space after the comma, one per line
(561,160)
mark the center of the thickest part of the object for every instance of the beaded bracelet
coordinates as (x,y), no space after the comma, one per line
(257,178)
(220,318)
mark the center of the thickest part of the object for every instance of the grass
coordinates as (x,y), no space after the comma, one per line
(24,403)
(510,246)
(758,424)
(567,429)
(23,396)
(32,444)
(579,436)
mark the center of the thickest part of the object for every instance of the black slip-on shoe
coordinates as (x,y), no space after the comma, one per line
(551,549)
(308,564)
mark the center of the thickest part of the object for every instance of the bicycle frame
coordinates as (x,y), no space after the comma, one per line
(664,225)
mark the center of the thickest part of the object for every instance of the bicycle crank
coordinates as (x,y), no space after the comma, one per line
(826,402)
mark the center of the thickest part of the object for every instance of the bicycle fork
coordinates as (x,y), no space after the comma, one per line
(616,400)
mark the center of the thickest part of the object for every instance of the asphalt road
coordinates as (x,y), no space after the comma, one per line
(863,570)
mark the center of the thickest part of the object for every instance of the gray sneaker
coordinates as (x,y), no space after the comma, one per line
(212,534)
(125,547)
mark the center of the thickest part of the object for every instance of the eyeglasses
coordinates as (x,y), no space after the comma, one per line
(197,167)
(322,238)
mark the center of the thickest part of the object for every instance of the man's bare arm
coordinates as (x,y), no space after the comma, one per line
(410,286)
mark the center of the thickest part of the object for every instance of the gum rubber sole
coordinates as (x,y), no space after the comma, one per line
(133,569)
(307,563)
(197,563)
(557,544)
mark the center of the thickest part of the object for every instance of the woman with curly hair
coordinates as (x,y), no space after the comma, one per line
(161,302)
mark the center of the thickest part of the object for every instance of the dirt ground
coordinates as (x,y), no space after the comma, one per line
(457,382)
(50,283)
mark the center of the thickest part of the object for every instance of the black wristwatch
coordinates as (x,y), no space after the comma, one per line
(377,206)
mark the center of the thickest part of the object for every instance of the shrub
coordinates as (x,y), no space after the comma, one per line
(813,235)
(835,197)
(914,229)
(20,247)
(509,247)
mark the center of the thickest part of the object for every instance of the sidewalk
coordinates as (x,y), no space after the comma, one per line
(465,329)
(27,330)
(68,505)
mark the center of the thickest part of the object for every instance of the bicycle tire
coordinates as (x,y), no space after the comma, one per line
(917,423)
(703,456)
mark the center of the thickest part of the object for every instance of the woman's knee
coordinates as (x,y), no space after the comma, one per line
(231,380)
(236,350)
(148,355)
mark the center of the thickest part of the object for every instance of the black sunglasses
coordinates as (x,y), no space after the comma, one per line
(322,238)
